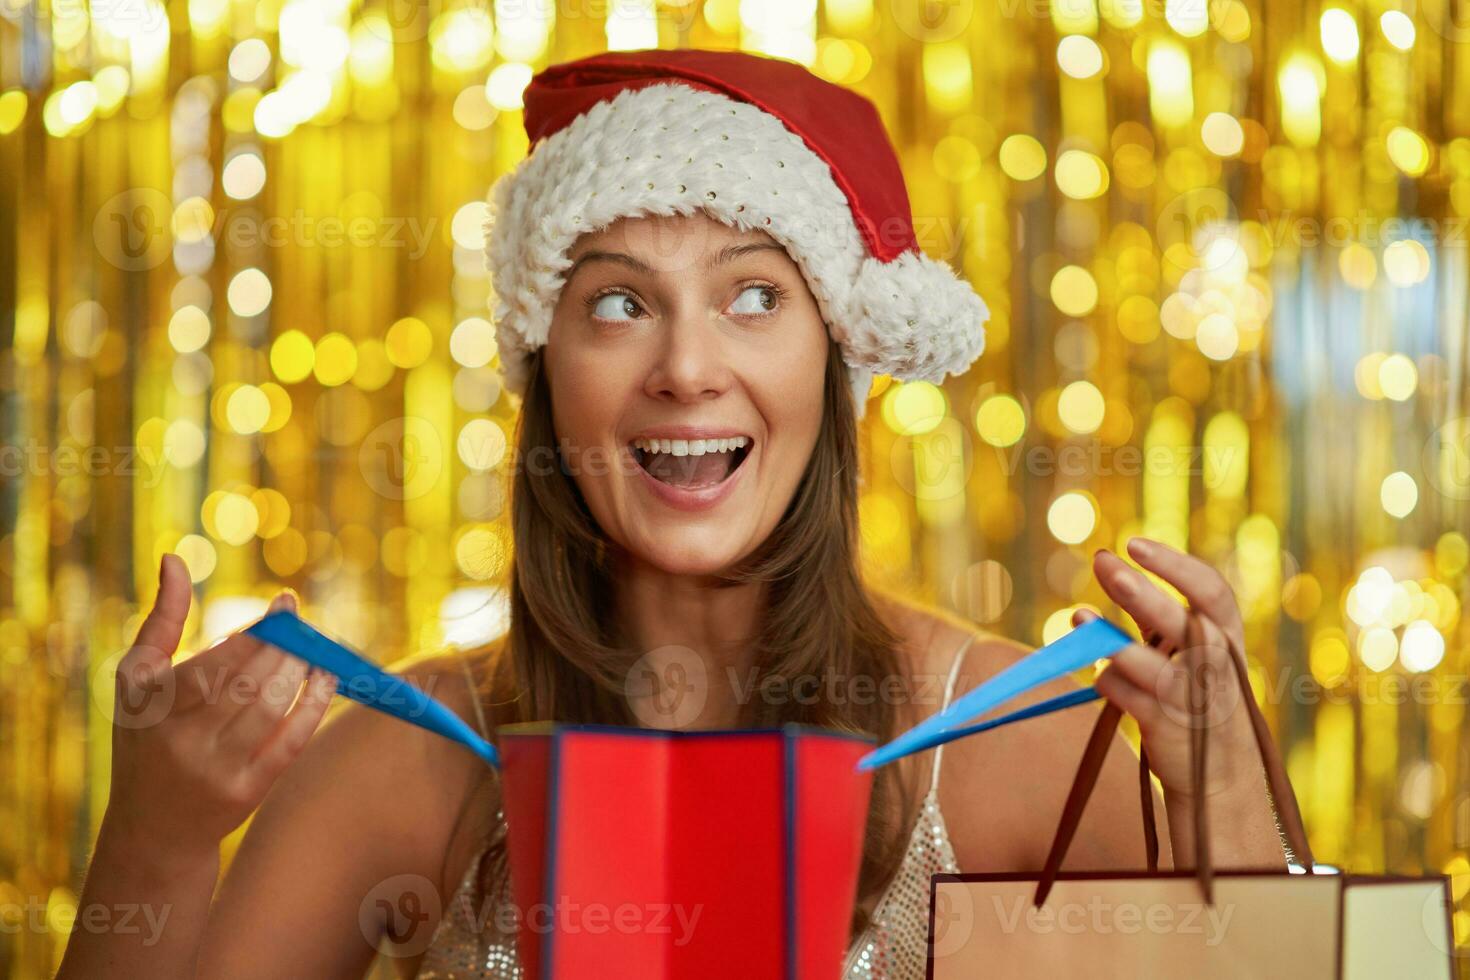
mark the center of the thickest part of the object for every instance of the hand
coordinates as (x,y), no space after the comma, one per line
(195,745)
(1154,689)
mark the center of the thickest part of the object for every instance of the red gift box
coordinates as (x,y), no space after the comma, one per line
(647,854)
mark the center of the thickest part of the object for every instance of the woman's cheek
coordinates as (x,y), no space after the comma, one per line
(584,429)
(792,406)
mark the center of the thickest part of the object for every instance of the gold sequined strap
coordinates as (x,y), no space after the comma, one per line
(954,673)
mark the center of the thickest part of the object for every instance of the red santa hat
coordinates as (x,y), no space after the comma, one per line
(754,142)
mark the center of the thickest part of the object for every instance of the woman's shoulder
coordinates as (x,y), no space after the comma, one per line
(930,638)
(372,805)
(1002,791)
(461,679)
(377,771)
(455,678)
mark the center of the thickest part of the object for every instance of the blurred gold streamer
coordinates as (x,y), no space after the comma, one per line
(243,317)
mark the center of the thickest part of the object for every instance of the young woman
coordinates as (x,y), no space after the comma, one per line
(699,267)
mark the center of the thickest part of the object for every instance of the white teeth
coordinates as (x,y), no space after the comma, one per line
(691,447)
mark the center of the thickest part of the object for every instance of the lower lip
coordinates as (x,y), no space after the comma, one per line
(691,500)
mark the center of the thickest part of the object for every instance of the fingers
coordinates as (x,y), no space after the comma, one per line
(293,732)
(237,663)
(159,636)
(1133,678)
(164,625)
(1157,689)
(1145,682)
(1150,607)
(265,661)
(241,653)
(1148,669)
(267,684)
(1220,686)
(263,708)
(1199,582)
(1139,702)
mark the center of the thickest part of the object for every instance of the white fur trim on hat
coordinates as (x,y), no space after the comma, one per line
(669,149)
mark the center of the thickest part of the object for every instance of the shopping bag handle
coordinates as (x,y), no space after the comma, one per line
(1092,641)
(1288,813)
(365,682)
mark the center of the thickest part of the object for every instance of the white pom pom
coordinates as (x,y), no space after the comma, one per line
(914,319)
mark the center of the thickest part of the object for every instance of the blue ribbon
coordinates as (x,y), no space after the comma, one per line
(1071,699)
(1093,640)
(365,682)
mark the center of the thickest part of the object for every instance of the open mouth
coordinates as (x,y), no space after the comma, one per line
(692,464)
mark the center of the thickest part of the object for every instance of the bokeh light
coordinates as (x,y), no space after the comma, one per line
(1217,242)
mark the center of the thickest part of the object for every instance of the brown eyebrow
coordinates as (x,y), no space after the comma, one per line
(636,264)
(732,252)
(726,254)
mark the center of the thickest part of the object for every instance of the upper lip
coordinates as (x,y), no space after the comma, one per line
(689,433)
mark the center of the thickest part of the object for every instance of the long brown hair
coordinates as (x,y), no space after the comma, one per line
(565,657)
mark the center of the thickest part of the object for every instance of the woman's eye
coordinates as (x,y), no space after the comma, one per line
(615,306)
(762,299)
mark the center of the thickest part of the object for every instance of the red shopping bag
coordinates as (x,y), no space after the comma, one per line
(646,854)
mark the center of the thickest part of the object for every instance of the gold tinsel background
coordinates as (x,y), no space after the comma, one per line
(242,316)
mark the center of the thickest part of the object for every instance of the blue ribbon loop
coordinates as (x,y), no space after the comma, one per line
(1083,695)
(1093,640)
(365,682)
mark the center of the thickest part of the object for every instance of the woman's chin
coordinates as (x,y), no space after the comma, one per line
(688,552)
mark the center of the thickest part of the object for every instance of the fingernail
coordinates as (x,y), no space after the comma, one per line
(285,599)
(1139,546)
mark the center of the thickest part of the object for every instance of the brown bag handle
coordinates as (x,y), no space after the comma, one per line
(1102,735)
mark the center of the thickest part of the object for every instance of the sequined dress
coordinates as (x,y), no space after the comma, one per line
(477,941)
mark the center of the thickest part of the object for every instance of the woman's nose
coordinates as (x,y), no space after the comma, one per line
(690,364)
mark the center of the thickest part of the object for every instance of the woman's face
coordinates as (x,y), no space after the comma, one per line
(686,365)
